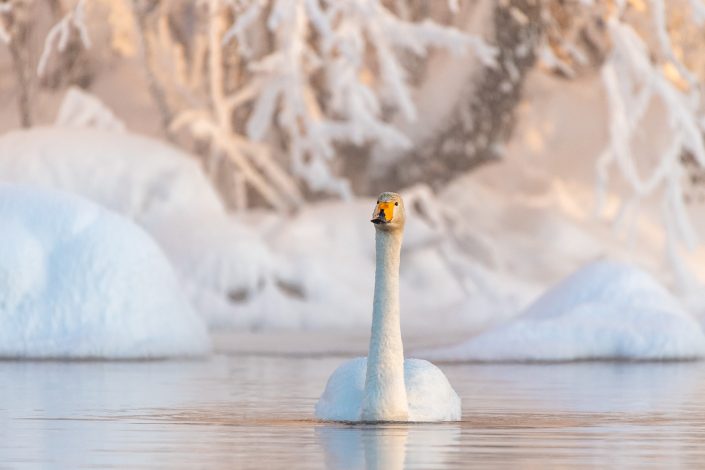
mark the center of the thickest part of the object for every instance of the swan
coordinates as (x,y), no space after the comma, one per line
(383,386)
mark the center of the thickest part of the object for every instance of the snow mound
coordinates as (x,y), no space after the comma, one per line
(162,189)
(78,281)
(135,176)
(260,270)
(606,310)
(323,272)
(430,395)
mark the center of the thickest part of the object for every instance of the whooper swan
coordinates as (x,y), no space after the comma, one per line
(384,386)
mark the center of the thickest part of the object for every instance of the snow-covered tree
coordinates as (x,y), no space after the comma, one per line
(288,98)
(481,117)
(650,57)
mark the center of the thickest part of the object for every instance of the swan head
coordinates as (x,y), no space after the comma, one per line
(389,212)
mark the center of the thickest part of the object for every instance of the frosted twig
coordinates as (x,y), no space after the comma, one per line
(58,35)
(4,34)
(632,83)
(659,14)
(252,160)
(350,107)
(698,8)
(243,21)
(203,126)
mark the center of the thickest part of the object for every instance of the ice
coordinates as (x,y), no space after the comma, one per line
(78,281)
(606,310)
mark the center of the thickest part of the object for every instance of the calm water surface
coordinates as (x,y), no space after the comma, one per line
(257,412)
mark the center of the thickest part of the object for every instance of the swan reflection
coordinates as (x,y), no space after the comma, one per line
(386,446)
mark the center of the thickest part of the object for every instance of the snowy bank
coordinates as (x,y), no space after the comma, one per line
(473,254)
(260,270)
(78,281)
(159,187)
(324,274)
(605,310)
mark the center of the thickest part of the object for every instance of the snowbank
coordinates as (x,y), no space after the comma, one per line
(77,281)
(324,275)
(606,310)
(472,255)
(256,271)
(136,176)
(162,189)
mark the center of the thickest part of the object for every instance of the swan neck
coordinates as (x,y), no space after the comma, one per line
(385,391)
(385,313)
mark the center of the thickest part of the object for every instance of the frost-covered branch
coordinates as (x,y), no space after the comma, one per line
(156,90)
(58,36)
(473,128)
(634,82)
(15,18)
(253,161)
(649,59)
(5,8)
(354,57)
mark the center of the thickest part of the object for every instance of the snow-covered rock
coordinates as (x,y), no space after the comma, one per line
(162,189)
(606,310)
(78,281)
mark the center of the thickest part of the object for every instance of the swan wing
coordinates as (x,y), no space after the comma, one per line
(430,395)
(342,398)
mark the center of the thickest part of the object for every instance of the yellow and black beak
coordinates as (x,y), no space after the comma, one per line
(384,213)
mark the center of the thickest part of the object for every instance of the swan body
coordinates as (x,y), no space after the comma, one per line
(429,395)
(384,386)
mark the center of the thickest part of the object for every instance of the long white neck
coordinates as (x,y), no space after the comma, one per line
(385,393)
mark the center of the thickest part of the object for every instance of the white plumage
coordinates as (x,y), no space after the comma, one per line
(384,386)
(429,395)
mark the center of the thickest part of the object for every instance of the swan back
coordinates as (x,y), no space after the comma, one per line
(430,396)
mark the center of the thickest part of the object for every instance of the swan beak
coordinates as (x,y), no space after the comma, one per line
(384,213)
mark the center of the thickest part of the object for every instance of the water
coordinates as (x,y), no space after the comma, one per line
(256,412)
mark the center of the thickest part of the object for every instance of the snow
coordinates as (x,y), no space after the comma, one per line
(258,270)
(78,281)
(515,227)
(324,274)
(82,109)
(431,397)
(464,258)
(136,176)
(634,85)
(159,187)
(58,36)
(606,310)
(332,40)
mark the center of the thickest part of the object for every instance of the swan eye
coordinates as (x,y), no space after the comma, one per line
(396,203)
